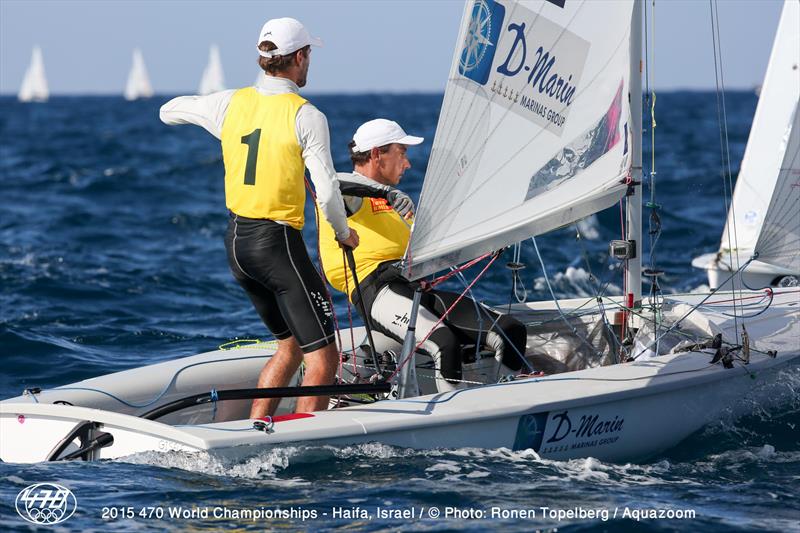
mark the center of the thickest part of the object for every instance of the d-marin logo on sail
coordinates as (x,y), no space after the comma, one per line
(480,42)
(527,63)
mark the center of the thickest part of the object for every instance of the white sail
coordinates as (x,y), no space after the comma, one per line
(766,160)
(213,79)
(533,131)
(138,85)
(779,241)
(34,84)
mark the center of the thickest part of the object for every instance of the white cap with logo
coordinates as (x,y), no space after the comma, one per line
(380,132)
(288,34)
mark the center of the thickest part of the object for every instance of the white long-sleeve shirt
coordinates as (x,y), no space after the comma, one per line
(312,135)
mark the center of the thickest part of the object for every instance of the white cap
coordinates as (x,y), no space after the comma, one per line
(380,132)
(287,34)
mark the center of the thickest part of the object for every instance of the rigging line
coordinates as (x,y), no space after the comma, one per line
(482,310)
(558,306)
(164,391)
(486,181)
(441,319)
(477,313)
(350,315)
(762,311)
(725,128)
(693,309)
(726,183)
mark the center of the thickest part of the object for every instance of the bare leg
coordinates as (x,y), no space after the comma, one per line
(276,373)
(320,370)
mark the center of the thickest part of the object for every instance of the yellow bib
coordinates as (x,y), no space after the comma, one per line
(383,236)
(264,166)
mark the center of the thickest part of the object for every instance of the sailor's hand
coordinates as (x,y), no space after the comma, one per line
(401,202)
(351,241)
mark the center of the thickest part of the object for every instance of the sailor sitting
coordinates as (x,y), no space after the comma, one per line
(381,215)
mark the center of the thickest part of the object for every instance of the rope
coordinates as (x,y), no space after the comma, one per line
(482,310)
(555,300)
(693,309)
(441,319)
(454,271)
(163,392)
(722,121)
(349,317)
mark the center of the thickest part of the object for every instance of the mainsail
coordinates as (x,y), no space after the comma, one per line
(34,85)
(533,132)
(213,79)
(765,212)
(138,85)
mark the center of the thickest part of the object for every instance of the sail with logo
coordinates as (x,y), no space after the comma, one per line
(533,132)
(763,216)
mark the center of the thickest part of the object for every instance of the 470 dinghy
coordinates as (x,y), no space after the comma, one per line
(525,144)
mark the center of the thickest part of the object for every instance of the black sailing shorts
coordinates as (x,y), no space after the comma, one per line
(270,262)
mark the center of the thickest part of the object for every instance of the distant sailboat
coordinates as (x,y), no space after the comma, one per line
(138,81)
(213,79)
(34,85)
(763,215)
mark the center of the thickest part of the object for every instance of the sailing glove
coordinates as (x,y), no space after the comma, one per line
(400,202)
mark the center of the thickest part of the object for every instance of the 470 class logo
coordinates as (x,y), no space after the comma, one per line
(46,503)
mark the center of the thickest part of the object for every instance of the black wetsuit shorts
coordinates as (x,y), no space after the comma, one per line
(270,262)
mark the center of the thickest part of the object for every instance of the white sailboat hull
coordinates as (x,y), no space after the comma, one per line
(622,412)
(757,275)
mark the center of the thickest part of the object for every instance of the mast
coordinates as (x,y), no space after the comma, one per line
(633,223)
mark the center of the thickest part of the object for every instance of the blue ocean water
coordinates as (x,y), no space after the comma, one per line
(111,257)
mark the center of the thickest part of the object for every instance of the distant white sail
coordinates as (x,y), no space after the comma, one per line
(138,85)
(34,84)
(768,159)
(533,131)
(213,78)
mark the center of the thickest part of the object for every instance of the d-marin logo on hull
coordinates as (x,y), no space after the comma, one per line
(481,40)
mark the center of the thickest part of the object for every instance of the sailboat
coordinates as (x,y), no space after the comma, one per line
(138,85)
(213,79)
(763,215)
(540,126)
(34,85)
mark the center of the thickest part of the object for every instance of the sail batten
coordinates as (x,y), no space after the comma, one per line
(533,133)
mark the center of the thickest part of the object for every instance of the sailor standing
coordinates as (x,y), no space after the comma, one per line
(269,135)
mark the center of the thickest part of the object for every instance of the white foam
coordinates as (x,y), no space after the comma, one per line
(589,227)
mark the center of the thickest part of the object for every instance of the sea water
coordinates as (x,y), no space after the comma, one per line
(112,257)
